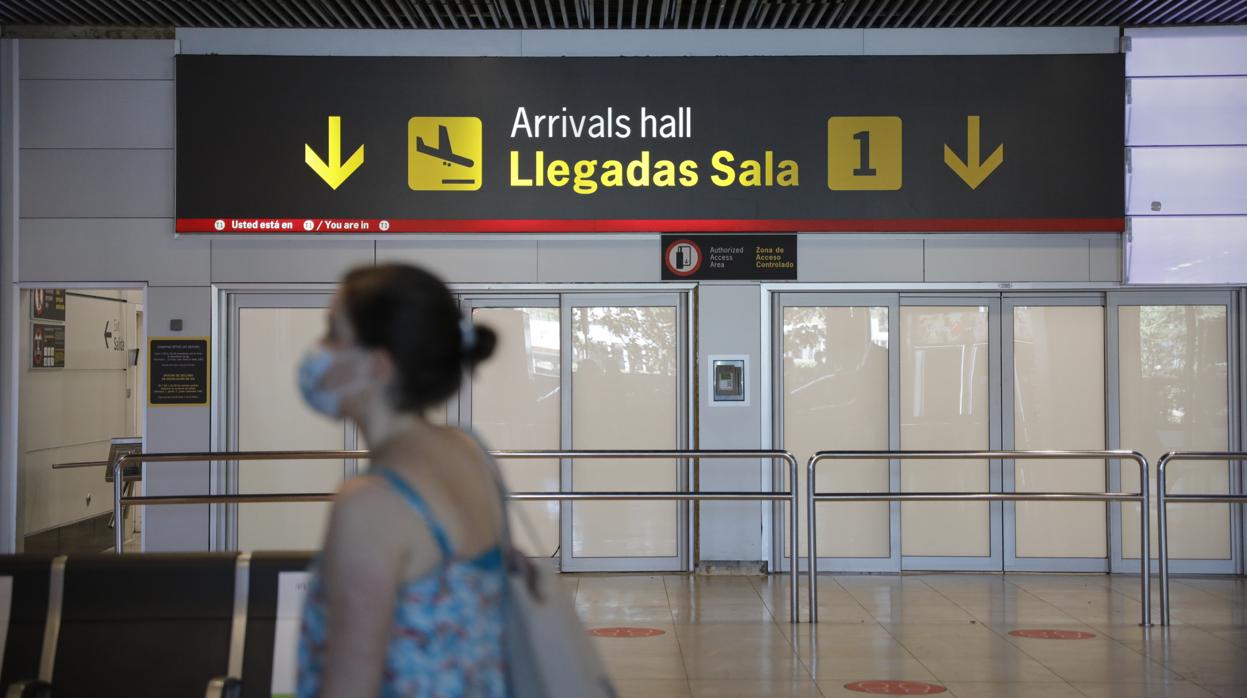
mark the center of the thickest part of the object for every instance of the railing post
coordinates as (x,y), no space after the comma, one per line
(119,521)
(811,540)
(794,567)
(1162,537)
(1145,542)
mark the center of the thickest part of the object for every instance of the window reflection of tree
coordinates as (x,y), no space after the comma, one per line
(1182,359)
(820,351)
(625,340)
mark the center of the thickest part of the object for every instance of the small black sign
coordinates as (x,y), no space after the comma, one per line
(729,257)
(47,304)
(178,371)
(48,350)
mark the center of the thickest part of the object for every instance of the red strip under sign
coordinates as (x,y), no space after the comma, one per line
(375,226)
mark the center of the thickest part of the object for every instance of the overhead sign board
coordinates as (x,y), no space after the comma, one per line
(362,145)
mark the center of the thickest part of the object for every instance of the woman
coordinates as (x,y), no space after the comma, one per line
(406,598)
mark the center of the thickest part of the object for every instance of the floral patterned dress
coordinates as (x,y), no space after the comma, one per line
(446,640)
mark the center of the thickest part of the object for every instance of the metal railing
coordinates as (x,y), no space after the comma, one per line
(813,497)
(1163,499)
(790,495)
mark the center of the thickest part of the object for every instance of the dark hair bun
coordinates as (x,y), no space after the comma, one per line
(484,342)
(412,314)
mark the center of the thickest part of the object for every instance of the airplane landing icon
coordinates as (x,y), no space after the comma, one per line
(444,153)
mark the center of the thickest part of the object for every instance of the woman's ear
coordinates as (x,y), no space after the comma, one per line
(381,366)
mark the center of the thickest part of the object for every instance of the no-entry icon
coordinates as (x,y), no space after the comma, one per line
(683,257)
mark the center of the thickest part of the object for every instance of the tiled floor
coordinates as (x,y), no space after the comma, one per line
(729,637)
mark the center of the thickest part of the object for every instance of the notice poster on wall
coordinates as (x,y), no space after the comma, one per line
(178,371)
(47,304)
(6,603)
(47,345)
(291,593)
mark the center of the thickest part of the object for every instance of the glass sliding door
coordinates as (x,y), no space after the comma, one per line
(836,362)
(626,369)
(1175,392)
(513,402)
(268,334)
(1054,399)
(949,398)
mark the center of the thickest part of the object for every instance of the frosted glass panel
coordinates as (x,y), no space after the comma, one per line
(624,395)
(1058,404)
(272,416)
(836,392)
(1196,180)
(1187,250)
(1187,111)
(945,404)
(515,405)
(1174,397)
(1187,51)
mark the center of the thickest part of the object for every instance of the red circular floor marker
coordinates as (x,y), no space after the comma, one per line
(895,688)
(1041,634)
(626,632)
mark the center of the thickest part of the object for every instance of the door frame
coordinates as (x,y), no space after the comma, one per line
(1228,298)
(1013,563)
(802,299)
(658,297)
(993,562)
(223,475)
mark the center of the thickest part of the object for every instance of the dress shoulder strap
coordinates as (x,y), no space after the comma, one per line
(417,502)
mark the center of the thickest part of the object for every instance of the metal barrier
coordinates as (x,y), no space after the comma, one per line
(790,495)
(1163,499)
(813,497)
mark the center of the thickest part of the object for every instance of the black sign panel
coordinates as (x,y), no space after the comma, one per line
(178,371)
(47,304)
(279,144)
(47,345)
(729,257)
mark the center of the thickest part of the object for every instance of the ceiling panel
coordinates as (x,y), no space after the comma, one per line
(618,14)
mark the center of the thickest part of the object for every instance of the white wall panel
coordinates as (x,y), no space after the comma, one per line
(684,42)
(1188,250)
(1187,111)
(1106,258)
(351,42)
(88,59)
(97,113)
(1008,258)
(96,184)
(274,260)
(1187,51)
(111,249)
(845,259)
(601,260)
(495,259)
(664,42)
(1179,180)
(729,322)
(178,429)
(1000,40)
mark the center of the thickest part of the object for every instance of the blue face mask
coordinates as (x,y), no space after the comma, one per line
(312,369)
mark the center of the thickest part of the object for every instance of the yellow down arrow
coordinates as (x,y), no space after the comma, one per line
(973,171)
(335,172)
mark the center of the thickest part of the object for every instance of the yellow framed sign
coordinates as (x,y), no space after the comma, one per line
(179,371)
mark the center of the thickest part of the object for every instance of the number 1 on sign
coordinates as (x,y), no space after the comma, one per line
(864,169)
(864,153)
